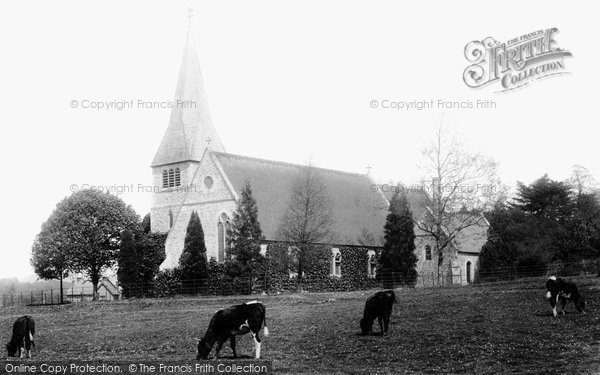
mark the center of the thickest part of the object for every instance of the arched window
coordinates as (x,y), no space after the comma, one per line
(468,272)
(177,177)
(371,264)
(227,239)
(170,219)
(223,240)
(165,178)
(220,243)
(427,252)
(171,177)
(336,262)
(292,261)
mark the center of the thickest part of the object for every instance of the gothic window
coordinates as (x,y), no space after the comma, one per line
(371,264)
(177,177)
(469,273)
(165,178)
(223,240)
(171,177)
(220,245)
(336,262)
(427,252)
(227,239)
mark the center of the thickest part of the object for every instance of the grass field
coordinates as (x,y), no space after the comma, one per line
(493,329)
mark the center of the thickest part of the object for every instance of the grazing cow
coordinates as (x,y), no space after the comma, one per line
(379,306)
(563,291)
(22,337)
(230,322)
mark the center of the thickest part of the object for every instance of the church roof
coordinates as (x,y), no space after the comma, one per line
(418,200)
(190,126)
(356,205)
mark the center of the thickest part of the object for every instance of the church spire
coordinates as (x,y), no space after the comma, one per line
(190,125)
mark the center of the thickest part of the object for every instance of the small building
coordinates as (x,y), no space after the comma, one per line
(81,290)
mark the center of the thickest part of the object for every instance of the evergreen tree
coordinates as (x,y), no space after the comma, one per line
(146,223)
(397,262)
(192,262)
(128,261)
(151,252)
(245,232)
(244,257)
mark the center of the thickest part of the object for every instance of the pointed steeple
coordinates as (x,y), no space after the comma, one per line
(190,126)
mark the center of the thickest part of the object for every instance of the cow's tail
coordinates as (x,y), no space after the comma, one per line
(265,328)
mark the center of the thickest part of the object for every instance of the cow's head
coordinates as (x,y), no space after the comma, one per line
(12,349)
(365,326)
(203,349)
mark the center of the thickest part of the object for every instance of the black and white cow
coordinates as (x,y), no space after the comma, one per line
(22,337)
(563,291)
(379,306)
(230,322)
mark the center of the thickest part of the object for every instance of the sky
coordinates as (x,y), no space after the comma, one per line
(291,81)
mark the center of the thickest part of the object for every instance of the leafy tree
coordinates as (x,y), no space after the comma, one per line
(128,260)
(90,225)
(397,262)
(192,262)
(50,255)
(140,257)
(151,252)
(244,257)
(308,219)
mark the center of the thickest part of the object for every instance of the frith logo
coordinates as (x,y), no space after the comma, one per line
(515,63)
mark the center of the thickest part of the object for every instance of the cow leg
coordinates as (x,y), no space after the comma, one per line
(553,303)
(220,342)
(380,321)
(563,303)
(257,344)
(386,322)
(232,344)
(28,344)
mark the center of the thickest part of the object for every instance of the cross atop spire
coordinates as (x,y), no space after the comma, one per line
(190,16)
(368,169)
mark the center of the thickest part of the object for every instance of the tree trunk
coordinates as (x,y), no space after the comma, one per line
(300,269)
(95,278)
(61,288)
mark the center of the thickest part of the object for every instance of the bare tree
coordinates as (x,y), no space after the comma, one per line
(463,185)
(582,181)
(308,219)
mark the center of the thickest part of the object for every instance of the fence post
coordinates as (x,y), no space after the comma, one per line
(52,296)
(31,298)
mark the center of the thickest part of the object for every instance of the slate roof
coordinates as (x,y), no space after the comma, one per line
(190,124)
(356,205)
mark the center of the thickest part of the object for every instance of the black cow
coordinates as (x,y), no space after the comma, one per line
(379,306)
(563,291)
(22,337)
(230,322)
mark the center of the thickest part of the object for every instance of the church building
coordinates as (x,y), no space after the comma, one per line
(195,173)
